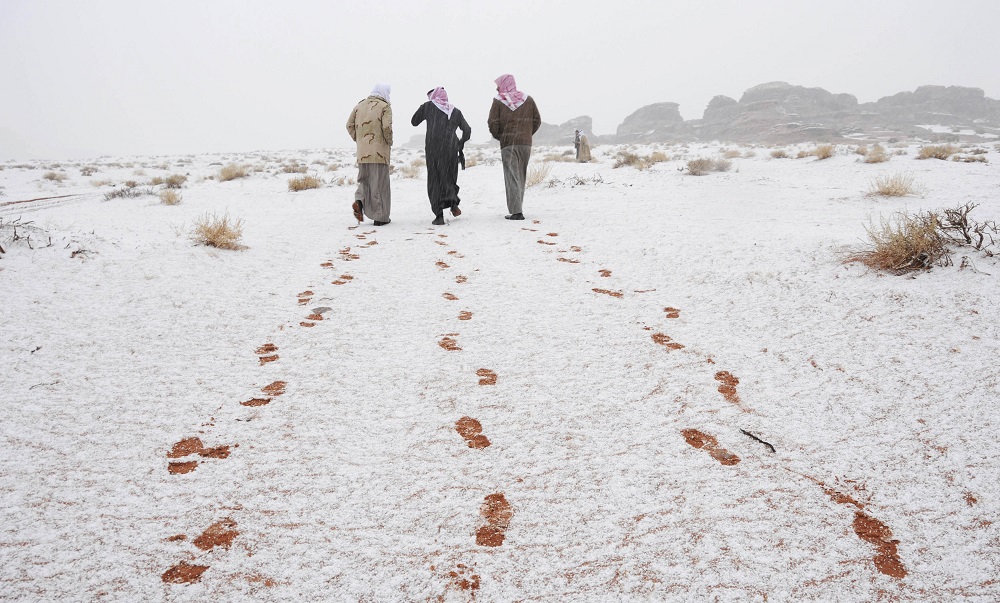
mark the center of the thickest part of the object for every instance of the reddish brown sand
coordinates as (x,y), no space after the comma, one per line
(498,513)
(459,579)
(877,533)
(568,261)
(441,264)
(346,277)
(185,447)
(471,431)
(267,348)
(486,377)
(552,234)
(265,359)
(182,467)
(314,316)
(465,315)
(606,292)
(664,340)
(545,242)
(450,296)
(672,312)
(182,573)
(338,282)
(709,444)
(307,324)
(605,272)
(449,344)
(728,387)
(220,533)
(461,279)
(177,538)
(275,389)
(256,402)
(576,249)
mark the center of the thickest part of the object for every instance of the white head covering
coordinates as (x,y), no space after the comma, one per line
(382,91)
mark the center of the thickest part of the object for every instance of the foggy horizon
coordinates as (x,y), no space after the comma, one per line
(116,78)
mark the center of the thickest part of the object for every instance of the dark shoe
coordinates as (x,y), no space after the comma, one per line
(514,217)
(377,223)
(455,211)
(438,221)
(356,206)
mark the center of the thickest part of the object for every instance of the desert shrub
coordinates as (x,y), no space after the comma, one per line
(472,160)
(823,152)
(910,242)
(978,151)
(88,170)
(861,150)
(170,197)
(175,180)
(232,171)
(803,154)
(128,192)
(657,157)
(409,171)
(942,151)
(304,183)
(970,159)
(333,167)
(749,153)
(537,173)
(155,181)
(54,176)
(221,232)
(100,183)
(895,185)
(877,154)
(626,158)
(139,172)
(779,154)
(294,168)
(730,153)
(131,184)
(418,162)
(705,165)
(959,228)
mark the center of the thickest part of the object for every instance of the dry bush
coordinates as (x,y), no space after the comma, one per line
(626,158)
(418,162)
(223,233)
(472,160)
(896,185)
(294,168)
(657,157)
(537,173)
(155,181)
(941,151)
(803,154)
(131,183)
(232,171)
(730,153)
(88,170)
(170,197)
(876,155)
(100,183)
(959,228)
(139,172)
(823,152)
(333,167)
(861,150)
(779,154)
(304,183)
(749,153)
(54,176)
(970,159)
(911,242)
(721,165)
(705,165)
(409,171)
(175,180)
(128,192)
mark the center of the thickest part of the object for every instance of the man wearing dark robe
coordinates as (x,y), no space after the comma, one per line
(443,151)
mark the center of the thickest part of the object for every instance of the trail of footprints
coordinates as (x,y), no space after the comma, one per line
(185,455)
(866,527)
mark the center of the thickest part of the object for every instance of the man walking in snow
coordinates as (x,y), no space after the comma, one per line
(370,126)
(443,151)
(513,120)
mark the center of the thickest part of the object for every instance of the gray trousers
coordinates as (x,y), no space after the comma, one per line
(515,172)
(373,190)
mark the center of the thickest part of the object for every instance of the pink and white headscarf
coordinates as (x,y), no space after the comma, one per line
(440,99)
(507,92)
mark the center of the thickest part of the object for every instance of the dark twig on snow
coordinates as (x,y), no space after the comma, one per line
(752,436)
(41,384)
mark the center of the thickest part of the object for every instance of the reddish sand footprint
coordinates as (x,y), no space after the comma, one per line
(605,272)
(498,513)
(463,579)
(305,297)
(545,242)
(709,444)
(728,386)
(608,292)
(672,312)
(184,573)
(568,261)
(450,296)
(221,533)
(664,340)
(449,343)
(471,431)
(191,446)
(486,377)
(465,315)
(266,353)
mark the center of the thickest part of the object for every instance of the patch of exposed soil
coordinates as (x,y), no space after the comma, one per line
(568,261)
(267,348)
(471,431)
(220,533)
(708,443)
(455,253)
(605,272)
(529,229)
(185,447)
(607,292)
(486,377)
(536,221)
(840,498)
(346,277)
(327,264)
(338,282)
(465,315)
(307,324)
(314,316)
(182,573)
(441,265)
(461,279)
(450,296)
(275,389)
(442,243)
(464,579)
(256,402)
(370,244)
(728,387)
(877,533)
(177,538)
(672,312)
(575,249)
(265,359)
(219,452)
(449,344)
(545,242)
(664,340)
(552,234)
(180,468)
(498,513)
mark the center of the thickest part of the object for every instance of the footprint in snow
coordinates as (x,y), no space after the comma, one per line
(471,431)
(710,445)
(498,513)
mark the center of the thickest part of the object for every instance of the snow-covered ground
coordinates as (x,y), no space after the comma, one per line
(122,339)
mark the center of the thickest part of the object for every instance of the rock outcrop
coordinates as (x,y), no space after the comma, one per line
(562,134)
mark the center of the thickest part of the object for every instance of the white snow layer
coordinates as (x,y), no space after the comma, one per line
(123,338)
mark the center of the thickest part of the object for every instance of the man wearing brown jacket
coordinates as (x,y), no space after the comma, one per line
(513,119)
(370,126)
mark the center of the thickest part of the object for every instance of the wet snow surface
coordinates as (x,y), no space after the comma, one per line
(558,409)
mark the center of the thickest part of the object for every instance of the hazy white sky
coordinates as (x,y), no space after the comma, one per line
(129,76)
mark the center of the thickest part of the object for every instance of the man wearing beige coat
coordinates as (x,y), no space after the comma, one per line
(370,126)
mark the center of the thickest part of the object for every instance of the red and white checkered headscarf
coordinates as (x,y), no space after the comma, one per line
(440,99)
(507,92)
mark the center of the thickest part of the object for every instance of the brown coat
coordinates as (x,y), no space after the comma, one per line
(514,127)
(370,125)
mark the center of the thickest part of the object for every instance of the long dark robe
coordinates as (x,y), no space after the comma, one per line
(442,149)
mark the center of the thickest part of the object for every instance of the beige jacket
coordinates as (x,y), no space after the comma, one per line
(370,125)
